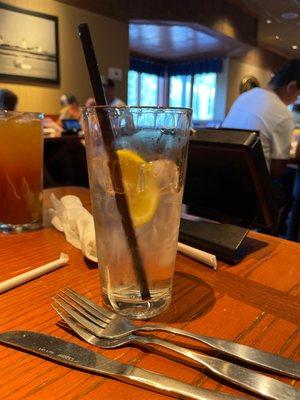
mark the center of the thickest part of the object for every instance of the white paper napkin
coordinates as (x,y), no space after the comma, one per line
(69,216)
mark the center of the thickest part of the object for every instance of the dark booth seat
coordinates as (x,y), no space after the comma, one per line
(65,162)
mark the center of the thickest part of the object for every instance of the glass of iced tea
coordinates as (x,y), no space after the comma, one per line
(21,171)
(151,147)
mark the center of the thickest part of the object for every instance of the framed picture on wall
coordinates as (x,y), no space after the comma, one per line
(28,46)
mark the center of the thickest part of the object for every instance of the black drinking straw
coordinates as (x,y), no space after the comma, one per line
(114,165)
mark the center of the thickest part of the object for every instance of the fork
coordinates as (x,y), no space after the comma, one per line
(115,326)
(87,327)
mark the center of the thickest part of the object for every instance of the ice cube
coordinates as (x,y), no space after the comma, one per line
(100,174)
(167,175)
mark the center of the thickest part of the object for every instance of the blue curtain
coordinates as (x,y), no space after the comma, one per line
(150,67)
(180,68)
(195,67)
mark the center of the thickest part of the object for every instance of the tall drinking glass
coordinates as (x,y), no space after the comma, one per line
(21,167)
(151,147)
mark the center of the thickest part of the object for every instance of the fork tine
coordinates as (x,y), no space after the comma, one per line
(96,330)
(94,306)
(82,332)
(84,311)
(83,304)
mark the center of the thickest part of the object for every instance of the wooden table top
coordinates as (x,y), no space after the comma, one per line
(255,302)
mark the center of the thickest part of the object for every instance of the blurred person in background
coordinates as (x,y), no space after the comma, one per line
(90,102)
(248,82)
(266,110)
(109,91)
(71,108)
(63,100)
(8,100)
(296,113)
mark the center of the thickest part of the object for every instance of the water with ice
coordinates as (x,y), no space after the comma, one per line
(157,238)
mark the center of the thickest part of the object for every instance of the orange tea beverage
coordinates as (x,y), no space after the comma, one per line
(151,145)
(21,166)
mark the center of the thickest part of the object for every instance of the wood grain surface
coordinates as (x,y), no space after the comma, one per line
(255,302)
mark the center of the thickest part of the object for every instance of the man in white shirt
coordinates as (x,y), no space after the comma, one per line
(266,110)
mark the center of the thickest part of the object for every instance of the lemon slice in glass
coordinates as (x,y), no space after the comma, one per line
(140,186)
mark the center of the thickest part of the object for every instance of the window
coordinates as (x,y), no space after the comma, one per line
(196,91)
(132,93)
(201,98)
(180,91)
(149,90)
(204,89)
(145,89)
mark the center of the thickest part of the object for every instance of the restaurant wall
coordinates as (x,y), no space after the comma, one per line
(111,46)
(237,69)
(221,93)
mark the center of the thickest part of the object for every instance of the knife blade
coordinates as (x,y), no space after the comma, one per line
(77,356)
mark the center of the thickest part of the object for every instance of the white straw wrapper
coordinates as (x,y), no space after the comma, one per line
(198,255)
(34,273)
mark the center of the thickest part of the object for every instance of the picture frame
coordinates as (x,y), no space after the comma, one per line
(29,49)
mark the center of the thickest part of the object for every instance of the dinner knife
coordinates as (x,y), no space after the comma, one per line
(79,357)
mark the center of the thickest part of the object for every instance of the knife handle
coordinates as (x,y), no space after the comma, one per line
(249,354)
(170,386)
(243,377)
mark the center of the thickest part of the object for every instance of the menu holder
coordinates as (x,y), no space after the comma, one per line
(223,240)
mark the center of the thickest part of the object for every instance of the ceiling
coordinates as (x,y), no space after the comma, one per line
(209,26)
(174,41)
(180,30)
(280,34)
